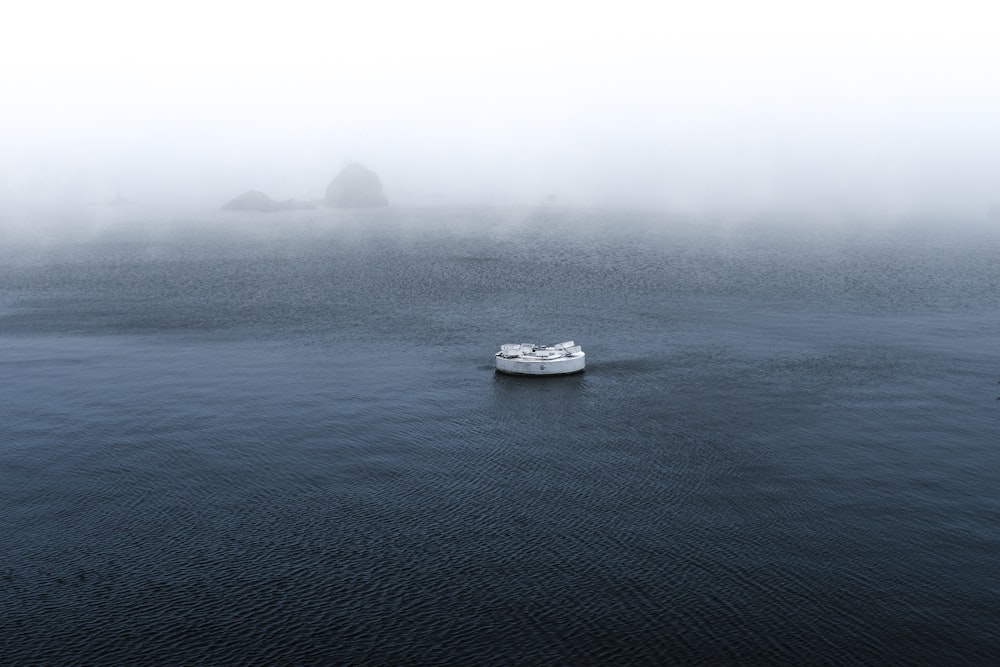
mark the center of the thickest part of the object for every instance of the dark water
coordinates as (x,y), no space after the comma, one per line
(279,440)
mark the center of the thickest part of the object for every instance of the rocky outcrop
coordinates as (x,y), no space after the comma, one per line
(356,186)
(255,200)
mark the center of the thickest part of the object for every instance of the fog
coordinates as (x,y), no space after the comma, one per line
(870,108)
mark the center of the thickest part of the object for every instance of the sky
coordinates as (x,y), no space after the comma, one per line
(887,107)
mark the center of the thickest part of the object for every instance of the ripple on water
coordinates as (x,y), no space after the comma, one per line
(289,446)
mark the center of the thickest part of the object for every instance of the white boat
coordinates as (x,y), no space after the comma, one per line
(531,359)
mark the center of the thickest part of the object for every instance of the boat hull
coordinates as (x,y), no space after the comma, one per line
(561,366)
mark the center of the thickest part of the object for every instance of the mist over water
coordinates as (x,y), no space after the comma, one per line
(268,438)
(877,109)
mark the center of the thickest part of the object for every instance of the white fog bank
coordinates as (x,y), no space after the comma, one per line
(890,107)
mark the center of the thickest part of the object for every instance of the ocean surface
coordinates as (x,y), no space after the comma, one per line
(278,439)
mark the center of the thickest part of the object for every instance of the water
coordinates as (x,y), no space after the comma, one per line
(279,440)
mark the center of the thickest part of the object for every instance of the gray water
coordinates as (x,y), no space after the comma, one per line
(279,439)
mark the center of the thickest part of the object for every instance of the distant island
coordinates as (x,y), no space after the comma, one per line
(255,200)
(355,186)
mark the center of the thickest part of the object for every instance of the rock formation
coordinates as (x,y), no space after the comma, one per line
(252,200)
(255,200)
(355,185)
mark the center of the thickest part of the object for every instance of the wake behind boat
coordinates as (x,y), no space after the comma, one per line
(531,359)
